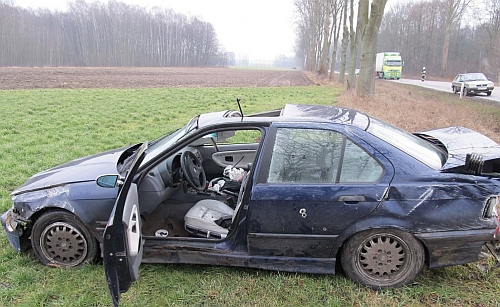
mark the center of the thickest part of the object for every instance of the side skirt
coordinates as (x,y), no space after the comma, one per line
(167,254)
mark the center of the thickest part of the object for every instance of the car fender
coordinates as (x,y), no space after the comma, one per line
(366,223)
(73,198)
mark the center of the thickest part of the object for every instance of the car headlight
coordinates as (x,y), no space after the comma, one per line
(10,222)
(492,207)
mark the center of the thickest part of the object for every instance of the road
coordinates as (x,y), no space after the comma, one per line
(446,87)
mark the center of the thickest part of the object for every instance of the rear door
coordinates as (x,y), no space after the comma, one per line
(312,184)
(122,246)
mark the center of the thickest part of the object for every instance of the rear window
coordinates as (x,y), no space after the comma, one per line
(414,146)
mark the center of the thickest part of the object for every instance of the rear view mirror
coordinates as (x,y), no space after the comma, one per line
(108,181)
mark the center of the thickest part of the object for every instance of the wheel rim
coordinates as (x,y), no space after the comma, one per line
(63,244)
(383,258)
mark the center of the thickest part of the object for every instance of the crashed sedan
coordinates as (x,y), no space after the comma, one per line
(299,189)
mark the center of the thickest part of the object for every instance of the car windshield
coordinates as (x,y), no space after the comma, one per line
(393,62)
(414,146)
(475,77)
(163,143)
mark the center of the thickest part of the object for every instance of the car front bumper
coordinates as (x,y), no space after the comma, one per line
(476,90)
(15,229)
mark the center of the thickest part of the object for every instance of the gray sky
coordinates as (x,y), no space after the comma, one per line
(260,29)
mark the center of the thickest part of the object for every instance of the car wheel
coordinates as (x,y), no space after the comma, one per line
(488,93)
(453,89)
(381,258)
(60,239)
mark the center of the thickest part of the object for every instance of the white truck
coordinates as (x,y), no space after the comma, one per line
(388,65)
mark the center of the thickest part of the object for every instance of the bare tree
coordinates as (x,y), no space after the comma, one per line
(345,41)
(454,10)
(338,19)
(356,37)
(491,23)
(317,25)
(325,48)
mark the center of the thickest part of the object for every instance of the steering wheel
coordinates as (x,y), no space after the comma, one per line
(193,171)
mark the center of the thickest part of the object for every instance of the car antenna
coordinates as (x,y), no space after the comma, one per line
(239,106)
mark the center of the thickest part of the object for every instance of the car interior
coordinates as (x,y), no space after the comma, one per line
(197,191)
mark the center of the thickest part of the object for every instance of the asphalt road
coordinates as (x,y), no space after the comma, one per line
(446,87)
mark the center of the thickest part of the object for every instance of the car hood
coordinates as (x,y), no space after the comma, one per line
(460,142)
(78,170)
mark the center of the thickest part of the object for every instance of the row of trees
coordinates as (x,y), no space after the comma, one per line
(112,34)
(331,30)
(446,36)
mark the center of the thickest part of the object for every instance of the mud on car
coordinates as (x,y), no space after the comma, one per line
(300,189)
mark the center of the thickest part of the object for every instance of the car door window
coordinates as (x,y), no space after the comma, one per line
(313,155)
(358,166)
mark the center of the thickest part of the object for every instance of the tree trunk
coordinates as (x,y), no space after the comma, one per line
(366,82)
(345,43)
(325,49)
(356,39)
(336,26)
(446,47)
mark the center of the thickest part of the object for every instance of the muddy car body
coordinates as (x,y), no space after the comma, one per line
(318,185)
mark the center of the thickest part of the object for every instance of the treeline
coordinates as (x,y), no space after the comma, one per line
(112,34)
(339,35)
(422,30)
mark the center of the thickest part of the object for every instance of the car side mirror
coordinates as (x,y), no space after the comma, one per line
(109,181)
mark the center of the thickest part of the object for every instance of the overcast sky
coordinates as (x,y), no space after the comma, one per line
(261,29)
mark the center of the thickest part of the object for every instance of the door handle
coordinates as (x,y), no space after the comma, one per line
(352,198)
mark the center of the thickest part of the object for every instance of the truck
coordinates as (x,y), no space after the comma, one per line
(388,65)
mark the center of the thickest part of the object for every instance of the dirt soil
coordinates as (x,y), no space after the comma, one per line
(149,77)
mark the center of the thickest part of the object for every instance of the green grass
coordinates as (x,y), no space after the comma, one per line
(43,128)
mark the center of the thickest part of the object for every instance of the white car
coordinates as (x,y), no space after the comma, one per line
(472,83)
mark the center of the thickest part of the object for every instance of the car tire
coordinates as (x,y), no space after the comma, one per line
(488,93)
(454,89)
(60,239)
(382,258)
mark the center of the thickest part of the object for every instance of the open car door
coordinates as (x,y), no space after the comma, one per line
(122,246)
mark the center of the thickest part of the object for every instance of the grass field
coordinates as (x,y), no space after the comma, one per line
(43,128)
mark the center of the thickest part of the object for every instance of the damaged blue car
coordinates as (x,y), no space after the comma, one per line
(303,189)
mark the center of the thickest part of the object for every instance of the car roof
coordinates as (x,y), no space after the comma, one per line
(293,112)
(471,73)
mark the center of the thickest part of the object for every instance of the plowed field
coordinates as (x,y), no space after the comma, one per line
(98,77)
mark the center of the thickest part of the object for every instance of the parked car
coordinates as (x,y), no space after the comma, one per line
(298,189)
(472,83)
